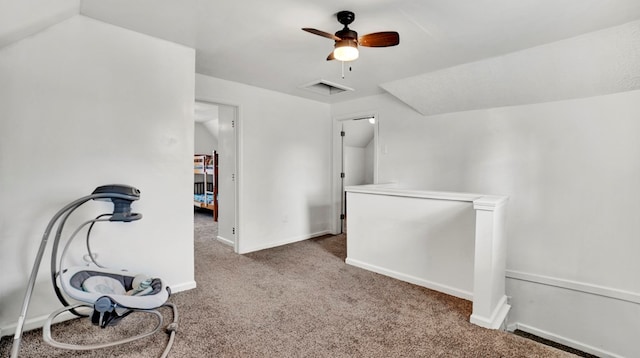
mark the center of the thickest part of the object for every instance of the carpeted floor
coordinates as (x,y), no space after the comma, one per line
(298,300)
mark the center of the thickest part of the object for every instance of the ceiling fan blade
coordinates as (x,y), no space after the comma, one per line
(330,57)
(380,39)
(321,33)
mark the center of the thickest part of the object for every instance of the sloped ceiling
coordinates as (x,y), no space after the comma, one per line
(597,63)
(358,133)
(19,19)
(261,43)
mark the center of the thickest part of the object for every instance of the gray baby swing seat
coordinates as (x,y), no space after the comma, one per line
(109,294)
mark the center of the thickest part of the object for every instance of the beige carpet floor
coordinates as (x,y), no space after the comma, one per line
(298,300)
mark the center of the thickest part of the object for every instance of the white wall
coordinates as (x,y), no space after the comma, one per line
(205,142)
(359,159)
(570,169)
(284,155)
(428,242)
(19,19)
(354,165)
(369,162)
(84,104)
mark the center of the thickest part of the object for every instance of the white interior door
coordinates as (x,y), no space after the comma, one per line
(358,156)
(227,175)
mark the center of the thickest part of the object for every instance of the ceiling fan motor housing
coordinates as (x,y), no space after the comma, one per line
(346,17)
(347,34)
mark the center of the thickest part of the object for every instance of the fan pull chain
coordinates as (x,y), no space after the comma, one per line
(350,69)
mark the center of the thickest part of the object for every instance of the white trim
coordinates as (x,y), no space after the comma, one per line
(392,190)
(489,202)
(185,286)
(36,322)
(286,241)
(336,161)
(497,318)
(225,241)
(238,162)
(563,340)
(598,290)
(489,301)
(238,169)
(412,279)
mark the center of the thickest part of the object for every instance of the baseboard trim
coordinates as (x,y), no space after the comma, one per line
(35,323)
(562,340)
(285,242)
(225,241)
(185,286)
(598,290)
(412,279)
(498,316)
(38,322)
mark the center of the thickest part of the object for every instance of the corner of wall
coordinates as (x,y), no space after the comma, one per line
(24,18)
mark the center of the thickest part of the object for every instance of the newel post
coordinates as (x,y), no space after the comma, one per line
(490,306)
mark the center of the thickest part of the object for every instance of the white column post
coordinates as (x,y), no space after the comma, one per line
(490,306)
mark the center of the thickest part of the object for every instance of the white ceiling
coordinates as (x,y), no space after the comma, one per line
(261,43)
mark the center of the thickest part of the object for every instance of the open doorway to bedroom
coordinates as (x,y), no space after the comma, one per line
(215,190)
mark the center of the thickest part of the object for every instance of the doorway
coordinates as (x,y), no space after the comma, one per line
(357,157)
(215,132)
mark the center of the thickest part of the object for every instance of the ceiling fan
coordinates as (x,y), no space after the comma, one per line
(347,40)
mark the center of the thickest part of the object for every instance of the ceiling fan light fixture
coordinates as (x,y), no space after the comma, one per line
(347,40)
(346,50)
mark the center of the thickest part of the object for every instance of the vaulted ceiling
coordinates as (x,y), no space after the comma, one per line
(261,43)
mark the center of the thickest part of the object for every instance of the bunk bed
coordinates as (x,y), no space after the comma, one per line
(205,180)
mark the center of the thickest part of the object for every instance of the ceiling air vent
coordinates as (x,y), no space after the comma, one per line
(325,87)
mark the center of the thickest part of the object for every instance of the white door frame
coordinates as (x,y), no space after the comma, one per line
(238,163)
(336,180)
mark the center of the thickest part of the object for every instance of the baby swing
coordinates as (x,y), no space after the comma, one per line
(110,294)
